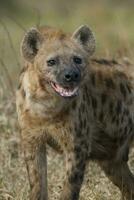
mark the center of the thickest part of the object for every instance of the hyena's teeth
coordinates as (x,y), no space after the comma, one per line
(64,92)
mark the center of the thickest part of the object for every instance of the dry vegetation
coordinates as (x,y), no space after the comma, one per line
(113,26)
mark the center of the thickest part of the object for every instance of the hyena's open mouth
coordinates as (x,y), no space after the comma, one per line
(64,92)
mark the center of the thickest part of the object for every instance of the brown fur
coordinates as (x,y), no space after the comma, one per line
(97,124)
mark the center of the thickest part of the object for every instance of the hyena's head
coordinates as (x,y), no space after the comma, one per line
(59,59)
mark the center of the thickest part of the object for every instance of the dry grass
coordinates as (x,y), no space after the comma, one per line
(114,29)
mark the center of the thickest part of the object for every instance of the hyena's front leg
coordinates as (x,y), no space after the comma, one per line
(36,163)
(75,168)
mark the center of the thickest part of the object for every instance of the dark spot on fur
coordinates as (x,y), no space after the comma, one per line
(100,76)
(125,130)
(69,160)
(82,107)
(125,154)
(77,149)
(84,96)
(79,132)
(19,86)
(101,116)
(75,127)
(70,129)
(128,88)
(41,82)
(93,79)
(65,144)
(131,129)
(74,105)
(86,90)
(81,123)
(94,102)
(109,83)
(111,108)
(122,118)
(79,113)
(103,98)
(67,172)
(117,121)
(84,122)
(120,131)
(113,119)
(123,90)
(122,138)
(87,130)
(126,112)
(119,107)
(130,123)
(82,143)
(94,105)
(23,93)
(88,100)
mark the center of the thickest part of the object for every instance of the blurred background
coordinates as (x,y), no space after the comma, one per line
(111,20)
(113,24)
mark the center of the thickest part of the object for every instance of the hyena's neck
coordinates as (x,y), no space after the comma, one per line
(42,104)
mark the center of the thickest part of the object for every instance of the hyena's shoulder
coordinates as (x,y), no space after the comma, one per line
(113,78)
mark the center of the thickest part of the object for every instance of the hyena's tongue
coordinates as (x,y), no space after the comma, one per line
(65,92)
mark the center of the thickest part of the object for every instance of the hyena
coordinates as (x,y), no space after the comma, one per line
(65,99)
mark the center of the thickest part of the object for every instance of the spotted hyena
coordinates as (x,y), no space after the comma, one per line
(67,100)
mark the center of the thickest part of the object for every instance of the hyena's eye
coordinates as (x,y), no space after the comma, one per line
(77,60)
(51,62)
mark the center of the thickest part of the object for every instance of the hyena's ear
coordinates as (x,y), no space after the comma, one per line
(85,37)
(31,44)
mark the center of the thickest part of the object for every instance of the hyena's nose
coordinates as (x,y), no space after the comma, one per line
(72,75)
